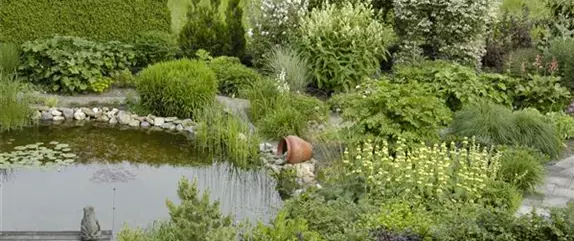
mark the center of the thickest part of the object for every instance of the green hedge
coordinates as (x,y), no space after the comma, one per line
(103,20)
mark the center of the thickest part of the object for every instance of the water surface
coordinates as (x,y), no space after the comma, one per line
(127,175)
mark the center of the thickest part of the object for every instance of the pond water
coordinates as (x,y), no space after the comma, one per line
(126,174)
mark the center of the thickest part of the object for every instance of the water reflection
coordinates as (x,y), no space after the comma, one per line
(52,200)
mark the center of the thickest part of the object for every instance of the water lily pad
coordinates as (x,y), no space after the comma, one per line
(66,149)
(69,155)
(61,146)
(54,143)
(69,161)
(20,148)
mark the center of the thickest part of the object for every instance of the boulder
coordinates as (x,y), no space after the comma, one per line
(55,112)
(145,124)
(124,118)
(159,121)
(168,126)
(59,118)
(88,112)
(134,123)
(79,115)
(46,115)
(68,113)
(113,120)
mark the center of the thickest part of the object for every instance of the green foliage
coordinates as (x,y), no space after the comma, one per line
(103,20)
(9,58)
(497,125)
(222,134)
(400,215)
(286,61)
(451,29)
(561,50)
(235,30)
(277,113)
(14,104)
(275,23)
(71,64)
(519,62)
(195,216)
(284,229)
(286,182)
(334,219)
(522,167)
(541,92)
(232,75)
(390,110)
(454,83)
(441,174)
(155,46)
(101,84)
(204,30)
(563,122)
(176,88)
(123,78)
(343,45)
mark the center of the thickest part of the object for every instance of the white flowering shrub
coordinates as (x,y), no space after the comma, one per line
(273,24)
(453,30)
(343,44)
(438,173)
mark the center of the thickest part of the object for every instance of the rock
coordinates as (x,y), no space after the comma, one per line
(179,127)
(105,109)
(124,118)
(96,110)
(113,120)
(308,180)
(55,112)
(177,122)
(170,119)
(159,121)
(305,169)
(134,123)
(88,112)
(103,118)
(168,126)
(46,115)
(149,120)
(99,115)
(187,123)
(280,161)
(145,124)
(79,115)
(274,168)
(265,147)
(190,129)
(59,118)
(112,113)
(43,108)
(68,113)
(36,116)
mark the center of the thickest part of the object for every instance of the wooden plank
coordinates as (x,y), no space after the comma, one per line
(49,235)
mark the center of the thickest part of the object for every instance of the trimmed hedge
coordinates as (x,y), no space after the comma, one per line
(103,20)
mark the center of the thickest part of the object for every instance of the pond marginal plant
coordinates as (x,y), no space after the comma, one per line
(37,155)
(14,103)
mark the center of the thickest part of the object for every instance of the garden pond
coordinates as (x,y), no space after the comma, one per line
(126,174)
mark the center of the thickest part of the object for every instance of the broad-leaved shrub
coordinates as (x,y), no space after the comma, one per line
(454,83)
(545,93)
(561,50)
(176,88)
(71,64)
(563,122)
(343,45)
(155,46)
(390,110)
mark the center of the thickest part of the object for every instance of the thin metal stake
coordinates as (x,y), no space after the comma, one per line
(113,212)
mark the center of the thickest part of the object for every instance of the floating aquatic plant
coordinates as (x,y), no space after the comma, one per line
(37,155)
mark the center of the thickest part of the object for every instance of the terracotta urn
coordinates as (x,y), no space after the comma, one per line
(297,149)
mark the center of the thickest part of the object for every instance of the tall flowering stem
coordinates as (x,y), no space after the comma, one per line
(443,173)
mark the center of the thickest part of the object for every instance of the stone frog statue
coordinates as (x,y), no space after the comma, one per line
(90,229)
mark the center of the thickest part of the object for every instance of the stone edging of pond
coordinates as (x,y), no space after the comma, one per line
(113,116)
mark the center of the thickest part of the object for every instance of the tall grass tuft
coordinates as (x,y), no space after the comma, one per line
(15,103)
(220,133)
(522,167)
(493,124)
(9,58)
(295,68)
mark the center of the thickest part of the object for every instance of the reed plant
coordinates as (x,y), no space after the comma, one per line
(9,58)
(15,103)
(220,133)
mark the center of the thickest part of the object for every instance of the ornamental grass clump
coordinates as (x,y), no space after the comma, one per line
(442,173)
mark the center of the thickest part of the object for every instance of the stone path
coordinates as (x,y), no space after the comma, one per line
(556,191)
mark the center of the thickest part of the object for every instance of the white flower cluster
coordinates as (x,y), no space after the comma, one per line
(278,16)
(282,84)
(457,28)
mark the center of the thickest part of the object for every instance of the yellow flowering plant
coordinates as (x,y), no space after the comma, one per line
(443,173)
